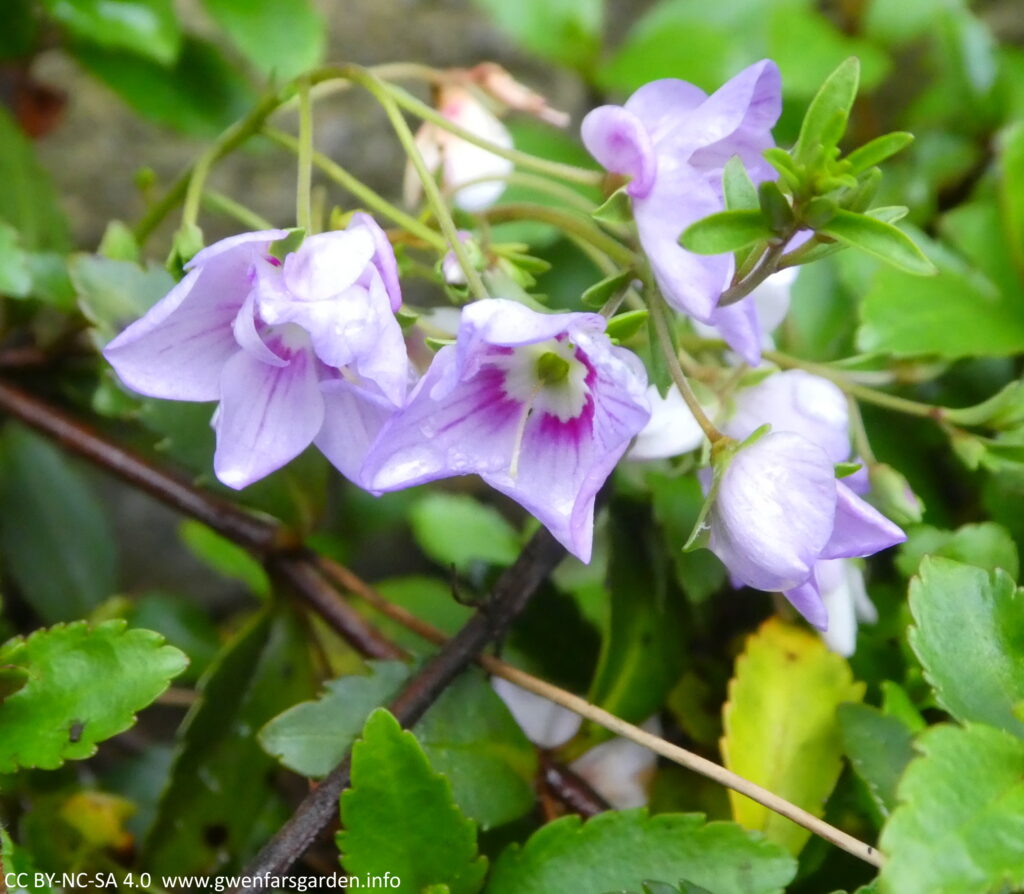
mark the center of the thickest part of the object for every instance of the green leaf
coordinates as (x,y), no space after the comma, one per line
(15,272)
(781,729)
(825,121)
(620,849)
(455,529)
(878,150)
(185,625)
(85,685)
(961,816)
(740,192)
(985,545)
(399,816)
(616,209)
(200,95)
(601,292)
(1003,411)
(726,231)
(219,803)
(563,31)
(959,313)
(282,38)
(1011,189)
(57,542)
(20,30)
(146,27)
(968,634)
(624,326)
(28,201)
(879,747)
(641,647)
(113,294)
(225,557)
(468,734)
(880,239)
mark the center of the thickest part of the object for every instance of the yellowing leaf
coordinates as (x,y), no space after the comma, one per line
(781,726)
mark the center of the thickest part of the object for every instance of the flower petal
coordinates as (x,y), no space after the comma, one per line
(739,326)
(774,511)
(664,106)
(268,415)
(860,529)
(806,599)
(795,401)
(621,144)
(353,417)
(671,430)
(327,264)
(691,283)
(383,256)
(751,101)
(178,349)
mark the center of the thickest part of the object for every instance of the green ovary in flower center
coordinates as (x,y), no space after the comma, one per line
(546,377)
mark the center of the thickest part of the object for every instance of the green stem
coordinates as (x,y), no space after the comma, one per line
(194,182)
(430,188)
(304,186)
(861,442)
(767,266)
(659,315)
(564,220)
(217,201)
(361,191)
(543,184)
(523,159)
(861,392)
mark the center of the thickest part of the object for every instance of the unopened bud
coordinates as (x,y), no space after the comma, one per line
(497,82)
(891,493)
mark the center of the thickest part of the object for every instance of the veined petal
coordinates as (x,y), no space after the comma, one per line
(621,144)
(691,283)
(806,599)
(178,349)
(260,240)
(248,337)
(469,427)
(467,417)
(268,415)
(774,511)
(860,529)
(353,418)
(327,264)
(378,348)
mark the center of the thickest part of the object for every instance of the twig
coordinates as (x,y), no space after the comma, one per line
(510,596)
(267,539)
(583,708)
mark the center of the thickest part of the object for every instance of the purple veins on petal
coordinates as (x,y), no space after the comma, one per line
(541,406)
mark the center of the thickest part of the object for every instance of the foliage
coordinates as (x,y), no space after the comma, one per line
(894,198)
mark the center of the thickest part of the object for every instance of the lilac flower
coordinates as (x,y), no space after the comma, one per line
(795,401)
(296,352)
(778,509)
(746,326)
(619,770)
(458,161)
(541,406)
(673,141)
(841,584)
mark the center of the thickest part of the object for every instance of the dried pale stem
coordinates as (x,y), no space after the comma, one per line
(352,583)
(659,314)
